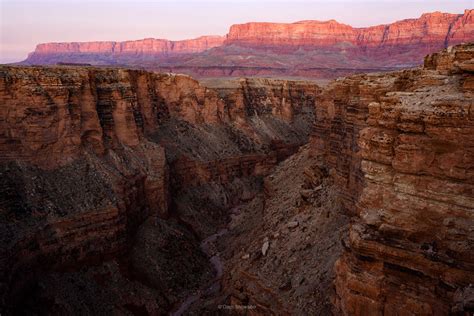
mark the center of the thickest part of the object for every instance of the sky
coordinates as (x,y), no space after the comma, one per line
(25,23)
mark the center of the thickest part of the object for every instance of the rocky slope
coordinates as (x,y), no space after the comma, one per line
(400,150)
(110,177)
(281,247)
(303,49)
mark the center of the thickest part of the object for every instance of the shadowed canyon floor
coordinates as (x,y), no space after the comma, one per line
(127,192)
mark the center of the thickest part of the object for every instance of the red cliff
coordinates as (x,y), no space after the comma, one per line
(305,49)
(439,28)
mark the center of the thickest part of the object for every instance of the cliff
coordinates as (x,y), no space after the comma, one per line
(303,49)
(435,28)
(401,155)
(78,178)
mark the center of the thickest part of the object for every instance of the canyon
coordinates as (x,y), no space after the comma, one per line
(118,187)
(111,177)
(316,49)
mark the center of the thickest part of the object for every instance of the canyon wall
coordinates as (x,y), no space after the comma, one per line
(317,49)
(400,150)
(265,121)
(78,178)
(94,163)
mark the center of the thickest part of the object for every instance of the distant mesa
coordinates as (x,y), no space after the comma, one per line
(144,46)
(324,49)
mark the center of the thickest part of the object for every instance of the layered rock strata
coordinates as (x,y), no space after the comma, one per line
(400,150)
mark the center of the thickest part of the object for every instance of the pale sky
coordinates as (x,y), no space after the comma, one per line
(25,23)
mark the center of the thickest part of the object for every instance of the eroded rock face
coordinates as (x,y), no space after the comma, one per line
(103,170)
(401,152)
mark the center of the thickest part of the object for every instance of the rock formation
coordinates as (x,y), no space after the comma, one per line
(304,49)
(400,150)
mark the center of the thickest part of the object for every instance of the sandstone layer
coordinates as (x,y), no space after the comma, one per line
(318,49)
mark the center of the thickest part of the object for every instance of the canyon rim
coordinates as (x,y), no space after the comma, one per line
(301,168)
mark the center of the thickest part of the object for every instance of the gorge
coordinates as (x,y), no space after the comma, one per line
(355,198)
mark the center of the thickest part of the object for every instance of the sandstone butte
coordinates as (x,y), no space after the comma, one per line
(305,49)
(111,177)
